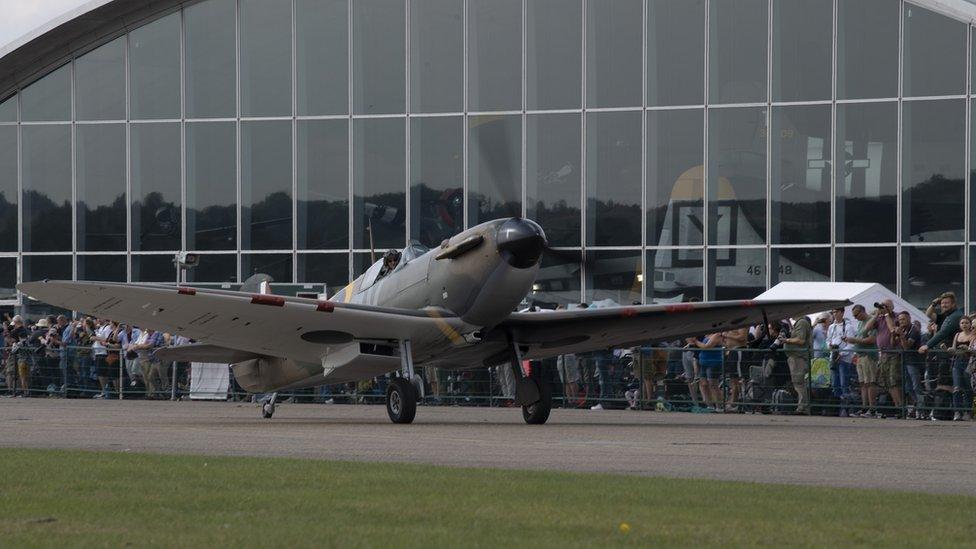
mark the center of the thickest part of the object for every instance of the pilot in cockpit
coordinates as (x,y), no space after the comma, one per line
(390,261)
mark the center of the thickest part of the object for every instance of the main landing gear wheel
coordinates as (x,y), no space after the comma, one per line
(401,400)
(537,413)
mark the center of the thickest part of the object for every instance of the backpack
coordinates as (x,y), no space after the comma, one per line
(820,373)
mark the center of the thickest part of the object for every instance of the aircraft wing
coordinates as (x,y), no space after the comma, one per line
(265,325)
(580,330)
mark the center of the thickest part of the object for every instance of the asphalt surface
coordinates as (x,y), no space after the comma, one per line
(893,454)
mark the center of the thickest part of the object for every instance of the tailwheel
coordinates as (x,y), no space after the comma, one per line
(268,408)
(401,400)
(537,413)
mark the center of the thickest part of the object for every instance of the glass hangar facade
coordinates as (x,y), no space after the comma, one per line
(672,149)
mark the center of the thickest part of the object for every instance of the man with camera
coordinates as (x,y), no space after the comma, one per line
(797,348)
(841,354)
(889,345)
(947,321)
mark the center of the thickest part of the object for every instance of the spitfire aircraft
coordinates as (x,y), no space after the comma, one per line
(449,307)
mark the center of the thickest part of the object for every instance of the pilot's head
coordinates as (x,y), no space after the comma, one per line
(391,258)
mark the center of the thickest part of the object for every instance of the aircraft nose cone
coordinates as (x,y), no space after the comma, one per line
(520,242)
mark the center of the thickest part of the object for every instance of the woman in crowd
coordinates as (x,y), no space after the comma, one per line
(962,391)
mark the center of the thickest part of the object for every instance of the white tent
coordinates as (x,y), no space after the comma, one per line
(863,293)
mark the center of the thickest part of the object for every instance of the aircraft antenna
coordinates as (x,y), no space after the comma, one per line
(372,246)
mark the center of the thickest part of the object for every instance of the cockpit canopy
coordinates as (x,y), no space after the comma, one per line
(408,254)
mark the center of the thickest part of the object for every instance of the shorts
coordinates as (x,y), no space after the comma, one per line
(867,369)
(103,368)
(889,371)
(10,368)
(732,363)
(688,363)
(711,370)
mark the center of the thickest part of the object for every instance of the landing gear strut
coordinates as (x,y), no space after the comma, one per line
(531,391)
(401,394)
(268,409)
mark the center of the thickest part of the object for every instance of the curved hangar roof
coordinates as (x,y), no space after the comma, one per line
(50,45)
(81,29)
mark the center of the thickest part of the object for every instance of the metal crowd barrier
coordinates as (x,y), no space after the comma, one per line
(744,380)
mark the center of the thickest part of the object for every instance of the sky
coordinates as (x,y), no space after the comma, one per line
(23,16)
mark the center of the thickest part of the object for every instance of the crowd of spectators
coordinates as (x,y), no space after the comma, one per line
(876,363)
(55,356)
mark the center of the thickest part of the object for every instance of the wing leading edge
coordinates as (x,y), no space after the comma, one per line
(581,330)
(265,325)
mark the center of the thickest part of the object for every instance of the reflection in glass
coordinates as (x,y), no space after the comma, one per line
(214,268)
(265,57)
(329,269)
(322,46)
(553,54)
(675,275)
(323,184)
(866,172)
(675,52)
(154,69)
(558,281)
(100,83)
(49,98)
(8,278)
(379,170)
(8,188)
(210,59)
(613,179)
(266,205)
(553,175)
(867,49)
(379,61)
(155,186)
(737,176)
(153,268)
(930,270)
(802,34)
(800,201)
(494,55)
(276,265)
(736,273)
(615,276)
(737,51)
(46,176)
(436,55)
(933,171)
(8,109)
(972,280)
(102,268)
(930,36)
(800,265)
(436,179)
(494,167)
(613,53)
(675,186)
(211,186)
(100,180)
(874,264)
(50,267)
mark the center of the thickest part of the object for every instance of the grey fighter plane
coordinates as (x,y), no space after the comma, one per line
(449,307)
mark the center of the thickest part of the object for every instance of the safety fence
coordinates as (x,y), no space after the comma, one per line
(768,380)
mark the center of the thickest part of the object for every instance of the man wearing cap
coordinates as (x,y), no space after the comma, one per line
(889,346)
(17,359)
(842,357)
(797,348)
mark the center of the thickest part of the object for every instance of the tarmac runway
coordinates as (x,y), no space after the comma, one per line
(869,453)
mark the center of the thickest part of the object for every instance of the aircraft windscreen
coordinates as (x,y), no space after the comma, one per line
(412,252)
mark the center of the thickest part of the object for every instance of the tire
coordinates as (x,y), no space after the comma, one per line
(538,413)
(401,400)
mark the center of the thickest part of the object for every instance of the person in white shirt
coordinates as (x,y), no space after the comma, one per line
(841,354)
(103,338)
